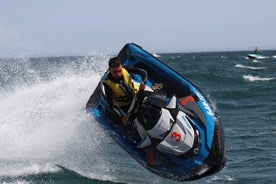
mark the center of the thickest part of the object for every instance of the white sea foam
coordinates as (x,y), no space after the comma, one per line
(256,61)
(221,178)
(256,78)
(249,67)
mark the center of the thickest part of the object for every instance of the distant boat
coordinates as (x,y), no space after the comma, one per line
(255,56)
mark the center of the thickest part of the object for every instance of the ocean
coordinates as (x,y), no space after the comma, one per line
(47,137)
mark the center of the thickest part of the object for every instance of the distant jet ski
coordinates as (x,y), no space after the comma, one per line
(176,133)
(255,56)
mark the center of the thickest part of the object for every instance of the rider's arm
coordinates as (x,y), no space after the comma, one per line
(143,73)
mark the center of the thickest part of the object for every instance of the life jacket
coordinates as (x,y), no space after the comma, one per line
(122,92)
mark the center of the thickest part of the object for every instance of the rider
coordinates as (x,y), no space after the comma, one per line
(256,50)
(120,89)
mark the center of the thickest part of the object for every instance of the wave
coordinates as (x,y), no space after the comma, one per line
(251,78)
(249,67)
(27,168)
(49,173)
(74,174)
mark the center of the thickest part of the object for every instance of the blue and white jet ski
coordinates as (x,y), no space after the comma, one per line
(176,132)
(255,56)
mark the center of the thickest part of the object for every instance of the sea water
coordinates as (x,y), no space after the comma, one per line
(46,135)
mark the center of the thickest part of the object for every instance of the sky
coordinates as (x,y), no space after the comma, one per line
(32,28)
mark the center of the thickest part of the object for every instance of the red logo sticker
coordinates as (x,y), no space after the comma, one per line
(186,100)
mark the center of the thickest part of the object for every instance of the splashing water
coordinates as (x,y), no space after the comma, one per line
(44,122)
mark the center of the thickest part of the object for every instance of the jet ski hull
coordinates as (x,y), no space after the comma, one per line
(255,56)
(210,156)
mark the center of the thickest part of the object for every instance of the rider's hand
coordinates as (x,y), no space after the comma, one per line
(155,88)
(142,86)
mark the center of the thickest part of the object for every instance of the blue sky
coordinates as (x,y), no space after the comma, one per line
(85,27)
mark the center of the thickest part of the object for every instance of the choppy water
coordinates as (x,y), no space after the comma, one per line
(46,136)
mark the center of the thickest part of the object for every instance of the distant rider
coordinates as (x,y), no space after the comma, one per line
(256,50)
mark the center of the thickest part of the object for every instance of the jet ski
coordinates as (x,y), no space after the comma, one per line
(255,56)
(176,132)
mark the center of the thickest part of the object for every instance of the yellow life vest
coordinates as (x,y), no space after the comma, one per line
(122,92)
